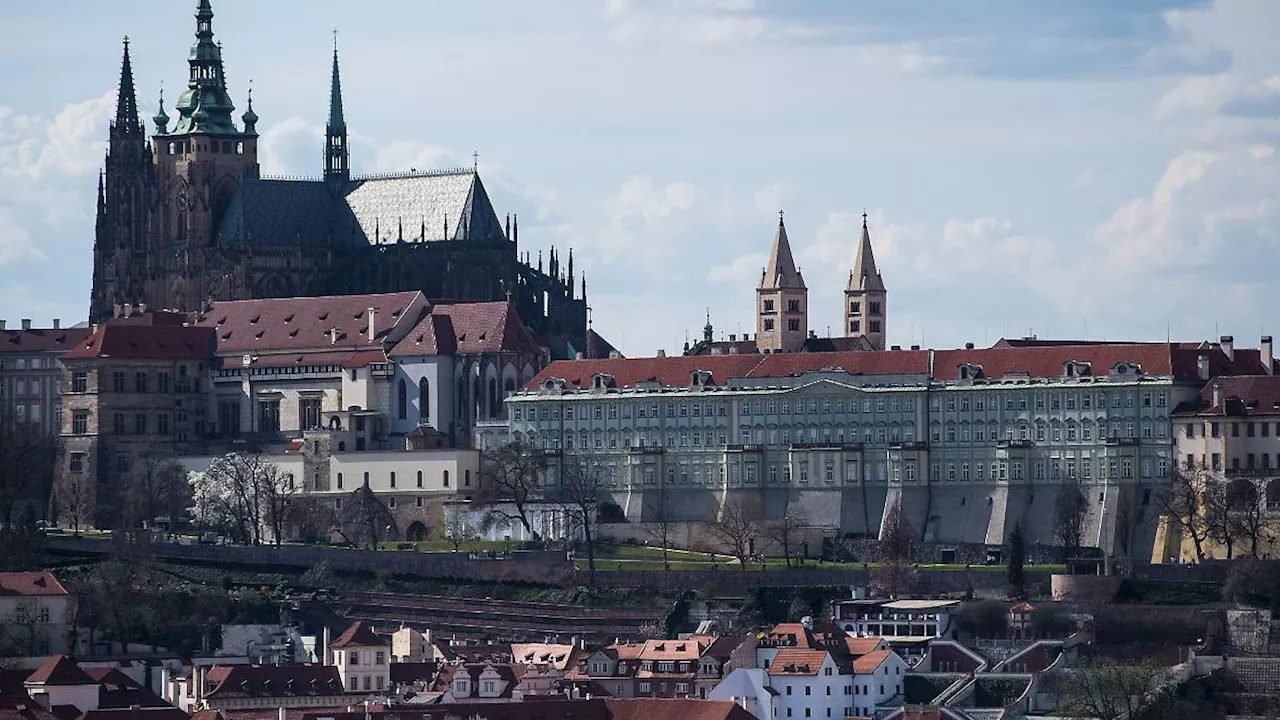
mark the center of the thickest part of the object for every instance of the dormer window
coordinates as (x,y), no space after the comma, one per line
(700,378)
(1125,368)
(1074,368)
(601,381)
(970,372)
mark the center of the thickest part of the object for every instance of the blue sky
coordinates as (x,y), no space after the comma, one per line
(1069,169)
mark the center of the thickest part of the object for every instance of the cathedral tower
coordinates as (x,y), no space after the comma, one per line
(337,158)
(782,300)
(864,297)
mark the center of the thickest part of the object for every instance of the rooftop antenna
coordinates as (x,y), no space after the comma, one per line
(1086,328)
(475,161)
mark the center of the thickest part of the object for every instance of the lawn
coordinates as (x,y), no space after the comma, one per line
(730,564)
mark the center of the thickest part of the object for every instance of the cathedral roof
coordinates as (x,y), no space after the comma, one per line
(781,271)
(467,329)
(409,207)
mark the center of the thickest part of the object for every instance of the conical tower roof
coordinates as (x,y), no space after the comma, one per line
(781,271)
(127,100)
(337,124)
(865,276)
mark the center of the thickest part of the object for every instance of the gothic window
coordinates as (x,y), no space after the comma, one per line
(793,324)
(402,400)
(874,308)
(424,400)
(768,306)
(875,326)
(855,326)
(768,323)
(495,400)
(855,307)
(793,306)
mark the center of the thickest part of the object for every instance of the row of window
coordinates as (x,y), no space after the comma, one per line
(1054,401)
(1214,429)
(141,381)
(1052,469)
(1052,432)
(1251,461)
(420,480)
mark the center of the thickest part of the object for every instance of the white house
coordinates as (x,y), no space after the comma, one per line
(363,659)
(36,614)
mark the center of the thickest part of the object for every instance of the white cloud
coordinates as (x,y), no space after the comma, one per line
(291,147)
(71,144)
(15,242)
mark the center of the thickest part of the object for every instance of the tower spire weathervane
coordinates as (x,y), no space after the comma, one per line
(475,160)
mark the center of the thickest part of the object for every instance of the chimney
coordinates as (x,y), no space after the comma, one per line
(372,324)
(1264,354)
(1202,366)
(613,354)
(895,347)
(968,346)
(915,347)
(1228,344)
(2,323)
(662,353)
(126,310)
(578,355)
(1217,394)
(733,338)
(142,307)
(57,324)
(26,323)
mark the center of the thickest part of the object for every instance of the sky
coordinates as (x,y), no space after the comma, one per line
(1086,169)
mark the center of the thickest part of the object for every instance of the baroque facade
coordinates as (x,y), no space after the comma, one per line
(968,441)
(185,219)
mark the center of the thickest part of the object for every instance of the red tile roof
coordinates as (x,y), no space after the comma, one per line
(868,663)
(1240,395)
(674,709)
(862,645)
(1048,361)
(30,583)
(237,681)
(797,661)
(303,324)
(671,650)
(60,670)
(1023,607)
(361,635)
(136,713)
(468,329)
(675,371)
(145,342)
(33,341)
(22,707)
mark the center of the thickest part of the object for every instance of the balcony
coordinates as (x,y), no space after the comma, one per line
(1122,441)
(1013,444)
(645,449)
(743,448)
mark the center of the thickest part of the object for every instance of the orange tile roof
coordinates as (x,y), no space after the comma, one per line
(360,634)
(671,650)
(797,661)
(868,663)
(862,645)
(60,670)
(28,584)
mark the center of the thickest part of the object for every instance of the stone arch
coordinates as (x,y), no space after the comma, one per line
(1273,495)
(1241,494)
(417,531)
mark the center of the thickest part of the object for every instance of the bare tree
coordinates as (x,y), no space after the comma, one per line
(23,628)
(364,518)
(510,480)
(1069,510)
(582,487)
(28,457)
(1220,505)
(459,526)
(784,531)
(1109,690)
(73,499)
(896,574)
(1183,502)
(734,530)
(156,485)
(1249,513)
(243,495)
(658,526)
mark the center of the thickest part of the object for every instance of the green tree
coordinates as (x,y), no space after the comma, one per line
(1017,552)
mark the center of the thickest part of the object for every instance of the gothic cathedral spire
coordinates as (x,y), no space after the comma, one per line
(126,120)
(782,300)
(337,159)
(205,107)
(865,295)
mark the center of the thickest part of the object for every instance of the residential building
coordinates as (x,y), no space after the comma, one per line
(668,668)
(1020,625)
(1228,437)
(968,442)
(37,615)
(61,682)
(362,658)
(479,683)
(895,620)
(31,371)
(259,687)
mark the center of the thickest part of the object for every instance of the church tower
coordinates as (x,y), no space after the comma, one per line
(119,248)
(337,158)
(864,296)
(782,300)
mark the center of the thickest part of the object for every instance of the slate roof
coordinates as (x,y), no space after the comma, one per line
(41,340)
(408,207)
(598,347)
(407,673)
(145,342)
(675,371)
(360,635)
(29,584)
(468,329)
(60,670)
(301,325)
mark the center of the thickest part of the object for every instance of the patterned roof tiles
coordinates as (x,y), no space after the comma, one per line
(1048,361)
(29,584)
(145,342)
(41,340)
(797,661)
(468,329)
(868,663)
(333,323)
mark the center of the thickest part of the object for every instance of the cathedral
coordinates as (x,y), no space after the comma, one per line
(184,219)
